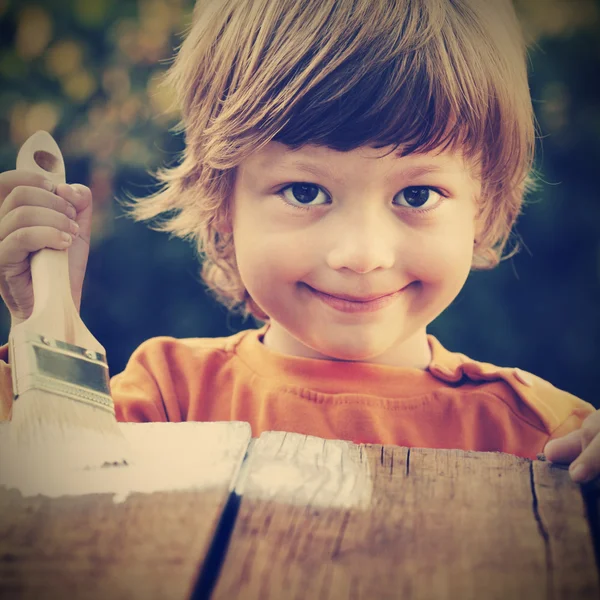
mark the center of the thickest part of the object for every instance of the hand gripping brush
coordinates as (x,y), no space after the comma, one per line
(62,408)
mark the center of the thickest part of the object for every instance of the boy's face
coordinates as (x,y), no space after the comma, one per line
(315,223)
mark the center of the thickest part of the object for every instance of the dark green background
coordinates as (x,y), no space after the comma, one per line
(538,310)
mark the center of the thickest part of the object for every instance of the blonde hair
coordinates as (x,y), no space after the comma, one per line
(419,75)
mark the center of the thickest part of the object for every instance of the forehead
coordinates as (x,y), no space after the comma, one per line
(275,156)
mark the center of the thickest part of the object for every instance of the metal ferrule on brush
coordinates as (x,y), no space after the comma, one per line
(42,363)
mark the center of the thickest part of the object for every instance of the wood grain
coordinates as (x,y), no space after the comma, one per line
(443,524)
(90,548)
(563,524)
(149,546)
(311,519)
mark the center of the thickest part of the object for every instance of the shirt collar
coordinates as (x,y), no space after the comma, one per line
(325,375)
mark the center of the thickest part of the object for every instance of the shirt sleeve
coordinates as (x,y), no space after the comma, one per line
(136,391)
(572,422)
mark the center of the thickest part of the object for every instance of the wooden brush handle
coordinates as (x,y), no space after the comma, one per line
(54,312)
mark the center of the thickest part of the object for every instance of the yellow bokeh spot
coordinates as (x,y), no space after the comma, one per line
(91,12)
(156,16)
(130,109)
(126,34)
(80,86)
(42,115)
(162,98)
(557,18)
(116,82)
(34,32)
(64,57)
(18,113)
(152,45)
(26,119)
(134,152)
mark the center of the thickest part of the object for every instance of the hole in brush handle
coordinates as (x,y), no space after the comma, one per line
(46,161)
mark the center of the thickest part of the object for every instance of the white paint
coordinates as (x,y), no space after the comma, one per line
(306,470)
(283,467)
(166,457)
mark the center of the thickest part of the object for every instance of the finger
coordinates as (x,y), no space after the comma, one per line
(565,449)
(587,466)
(78,195)
(12,179)
(33,196)
(16,247)
(85,196)
(32,216)
(590,428)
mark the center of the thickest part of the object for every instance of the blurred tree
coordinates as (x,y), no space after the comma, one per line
(88,72)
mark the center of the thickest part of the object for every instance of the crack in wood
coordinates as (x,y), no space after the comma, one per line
(591,499)
(217,551)
(408,462)
(340,536)
(210,569)
(545,536)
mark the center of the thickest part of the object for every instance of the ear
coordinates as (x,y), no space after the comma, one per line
(223,228)
(222,223)
(480,226)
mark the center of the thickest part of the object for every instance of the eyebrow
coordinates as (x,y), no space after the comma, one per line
(324,171)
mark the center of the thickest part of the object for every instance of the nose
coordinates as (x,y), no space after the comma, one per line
(362,242)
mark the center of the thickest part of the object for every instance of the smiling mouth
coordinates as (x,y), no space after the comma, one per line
(347,303)
(357,299)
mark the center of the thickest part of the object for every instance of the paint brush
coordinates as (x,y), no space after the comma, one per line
(62,408)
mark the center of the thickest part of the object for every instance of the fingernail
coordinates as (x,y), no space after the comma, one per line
(49,185)
(74,228)
(76,190)
(67,239)
(579,473)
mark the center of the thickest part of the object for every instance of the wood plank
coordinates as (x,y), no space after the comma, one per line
(591,497)
(89,547)
(444,524)
(148,546)
(564,525)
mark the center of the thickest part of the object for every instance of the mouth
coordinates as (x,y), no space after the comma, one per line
(358,298)
(347,303)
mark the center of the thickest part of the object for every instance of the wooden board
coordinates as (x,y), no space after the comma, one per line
(443,524)
(309,518)
(147,546)
(563,523)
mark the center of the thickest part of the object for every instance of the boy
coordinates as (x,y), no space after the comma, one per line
(347,164)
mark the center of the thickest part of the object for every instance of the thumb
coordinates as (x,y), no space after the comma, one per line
(565,449)
(83,205)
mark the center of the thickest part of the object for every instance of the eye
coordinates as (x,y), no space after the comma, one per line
(422,197)
(302,194)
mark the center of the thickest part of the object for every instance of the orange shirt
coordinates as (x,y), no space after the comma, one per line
(456,403)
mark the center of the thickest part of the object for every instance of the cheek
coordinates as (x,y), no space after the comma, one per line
(269,259)
(442,257)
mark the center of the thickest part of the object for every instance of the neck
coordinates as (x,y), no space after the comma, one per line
(413,352)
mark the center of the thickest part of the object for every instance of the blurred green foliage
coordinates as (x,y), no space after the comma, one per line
(87,71)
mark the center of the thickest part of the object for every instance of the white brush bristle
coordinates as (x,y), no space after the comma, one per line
(50,428)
